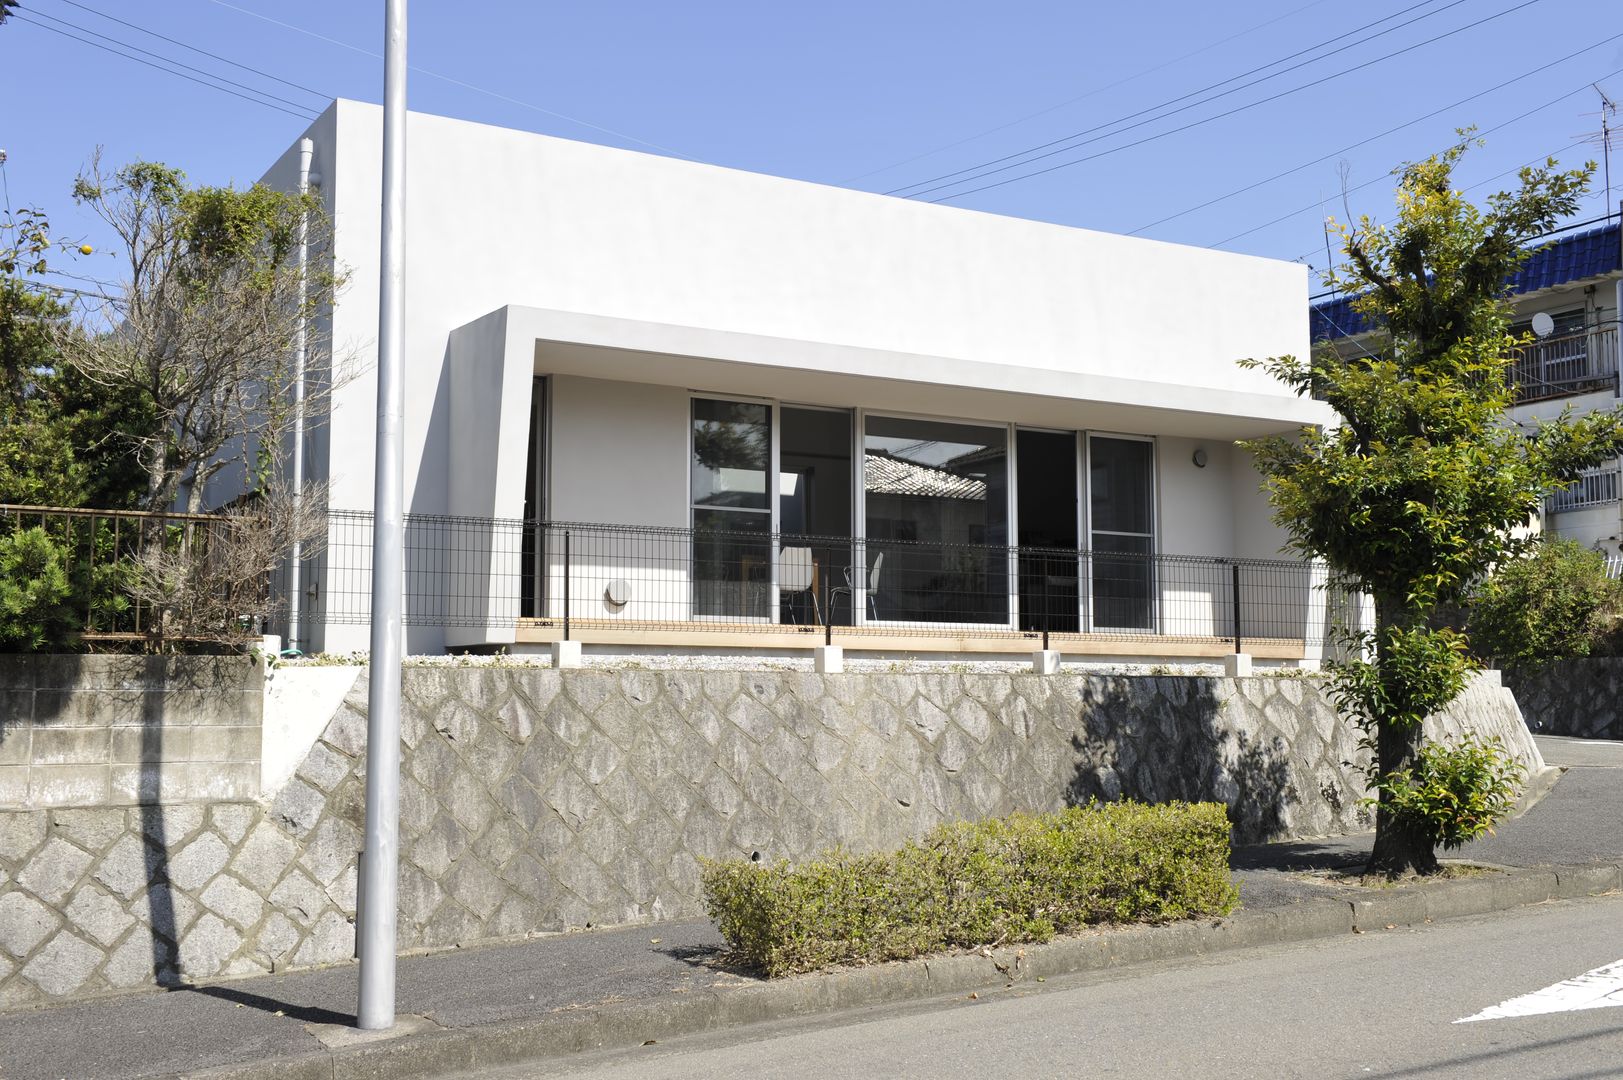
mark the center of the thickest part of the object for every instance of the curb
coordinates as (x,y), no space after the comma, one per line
(621,1025)
(1537,786)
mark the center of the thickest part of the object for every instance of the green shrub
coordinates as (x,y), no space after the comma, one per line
(1021,878)
(1551,604)
(1455,792)
(36,609)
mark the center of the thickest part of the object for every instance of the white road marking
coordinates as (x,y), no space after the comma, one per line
(1598,989)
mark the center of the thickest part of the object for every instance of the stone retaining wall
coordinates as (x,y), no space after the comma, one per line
(1573,697)
(86,731)
(536,800)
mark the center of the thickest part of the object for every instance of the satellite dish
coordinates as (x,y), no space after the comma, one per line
(1543,325)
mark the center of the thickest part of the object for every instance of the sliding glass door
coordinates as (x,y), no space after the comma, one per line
(1121,505)
(814,515)
(936,498)
(732,509)
(1046,508)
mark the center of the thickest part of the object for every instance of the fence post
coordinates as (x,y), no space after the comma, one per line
(1047,606)
(828,595)
(1235,567)
(566,584)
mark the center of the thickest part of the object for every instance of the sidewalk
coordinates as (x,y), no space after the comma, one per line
(619,987)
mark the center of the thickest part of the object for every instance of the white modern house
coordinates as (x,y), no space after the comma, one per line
(653,403)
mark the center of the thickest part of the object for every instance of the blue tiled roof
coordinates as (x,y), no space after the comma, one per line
(1571,258)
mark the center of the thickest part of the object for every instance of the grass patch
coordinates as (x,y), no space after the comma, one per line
(1021,878)
(1357,878)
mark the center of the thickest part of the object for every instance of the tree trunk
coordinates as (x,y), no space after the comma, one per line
(1398,852)
(156,463)
(160,493)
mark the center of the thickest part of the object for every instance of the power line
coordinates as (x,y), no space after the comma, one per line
(1084,96)
(81,277)
(200,52)
(170,60)
(1380,179)
(1387,176)
(201,81)
(1471,187)
(457,82)
(1184,97)
(1206,120)
(1384,134)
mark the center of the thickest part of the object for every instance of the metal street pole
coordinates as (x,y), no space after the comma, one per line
(376,929)
(301,351)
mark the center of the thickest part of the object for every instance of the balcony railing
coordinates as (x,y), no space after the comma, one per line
(556,580)
(1596,487)
(1565,366)
(477,577)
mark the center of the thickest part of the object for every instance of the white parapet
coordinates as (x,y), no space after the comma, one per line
(300,700)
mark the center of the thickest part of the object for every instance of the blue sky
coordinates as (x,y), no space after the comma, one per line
(870,95)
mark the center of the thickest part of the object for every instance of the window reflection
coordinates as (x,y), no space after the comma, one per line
(931,488)
(732,551)
(732,443)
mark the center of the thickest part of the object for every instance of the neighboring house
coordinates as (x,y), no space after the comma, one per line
(1566,298)
(682,406)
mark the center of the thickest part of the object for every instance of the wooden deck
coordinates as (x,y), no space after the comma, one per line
(901,640)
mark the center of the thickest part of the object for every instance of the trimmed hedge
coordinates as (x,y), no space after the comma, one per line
(1021,878)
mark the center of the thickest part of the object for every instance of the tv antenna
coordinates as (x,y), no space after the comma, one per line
(1603,137)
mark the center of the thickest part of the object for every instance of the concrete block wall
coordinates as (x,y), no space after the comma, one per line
(535,800)
(1573,697)
(85,731)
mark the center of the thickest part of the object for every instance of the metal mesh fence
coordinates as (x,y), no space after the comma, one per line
(478,572)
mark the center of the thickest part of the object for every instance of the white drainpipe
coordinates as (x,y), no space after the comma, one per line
(295,605)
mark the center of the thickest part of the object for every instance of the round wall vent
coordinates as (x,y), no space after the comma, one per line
(617,592)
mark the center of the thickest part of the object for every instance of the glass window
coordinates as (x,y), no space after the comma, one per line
(732,517)
(1121,489)
(936,496)
(732,444)
(732,564)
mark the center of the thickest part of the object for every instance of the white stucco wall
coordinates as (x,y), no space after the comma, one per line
(620,452)
(299,703)
(1196,504)
(1255,534)
(501,217)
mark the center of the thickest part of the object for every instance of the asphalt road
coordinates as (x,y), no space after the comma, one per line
(1580,753)
(1376,1005)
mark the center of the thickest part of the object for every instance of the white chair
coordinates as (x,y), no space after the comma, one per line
(798,574)
(850,587)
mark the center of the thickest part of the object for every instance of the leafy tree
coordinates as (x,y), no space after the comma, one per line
(1423,485)
(1552,603)
(63,440)
(202,331)
(36,612)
